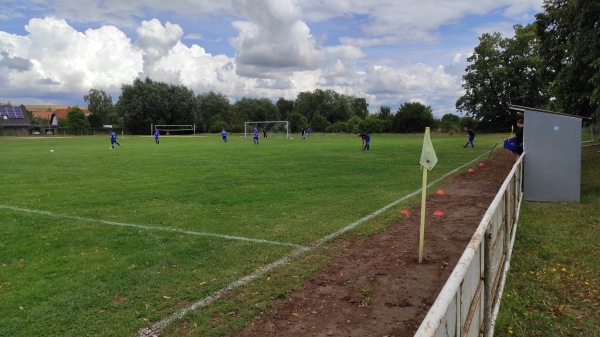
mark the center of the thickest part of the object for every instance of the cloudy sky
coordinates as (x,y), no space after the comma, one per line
(388,51)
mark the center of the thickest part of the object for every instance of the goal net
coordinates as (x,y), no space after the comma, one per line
(272,129)
(173,129)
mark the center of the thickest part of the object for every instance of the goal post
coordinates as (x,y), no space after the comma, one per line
(279,129)
(168,129)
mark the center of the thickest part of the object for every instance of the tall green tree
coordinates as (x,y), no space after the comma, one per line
(285,107)
(146,102)
(100,104)
(413,117)
(359,106)
(255,109)
(213,108)
(386,116)
(77,123)
(569,31)
(503,71)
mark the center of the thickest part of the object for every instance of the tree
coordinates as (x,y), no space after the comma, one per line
(319,123)
(285,107)
(372,125)
(503,71)
(413,117)
(386,116)
(359,106)
(297,122)
(256,109)
(569,32)
(450,123)
(212,108)
(147,102)
(77,123)
(100,105)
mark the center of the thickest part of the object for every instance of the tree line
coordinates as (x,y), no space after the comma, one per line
(146,102)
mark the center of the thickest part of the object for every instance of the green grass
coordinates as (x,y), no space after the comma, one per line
(72,265)
(553,288)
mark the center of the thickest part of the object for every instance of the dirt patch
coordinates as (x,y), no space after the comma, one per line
(377,287)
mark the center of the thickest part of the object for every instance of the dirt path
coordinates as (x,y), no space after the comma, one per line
(378,288)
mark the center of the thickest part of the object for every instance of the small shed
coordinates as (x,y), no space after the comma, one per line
(552,163)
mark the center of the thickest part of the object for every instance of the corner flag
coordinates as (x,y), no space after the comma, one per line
(428,160)
(428,156)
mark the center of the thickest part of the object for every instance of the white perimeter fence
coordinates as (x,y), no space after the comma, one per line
(469,302)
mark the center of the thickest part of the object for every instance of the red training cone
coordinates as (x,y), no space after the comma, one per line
(438,213)
(405,212)
(440,192)
(481,164)
(471,170)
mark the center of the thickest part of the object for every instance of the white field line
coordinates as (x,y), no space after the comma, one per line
(161,325)
(150,228)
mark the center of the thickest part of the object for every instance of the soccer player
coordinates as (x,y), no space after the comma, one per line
(471,137)
(113,140)
(309,131)
(255,136)
(303,134)
(157,136)
(224,135)
(264,133)
(366,140)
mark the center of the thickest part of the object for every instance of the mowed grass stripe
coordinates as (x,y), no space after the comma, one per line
(89,278)
(145,227)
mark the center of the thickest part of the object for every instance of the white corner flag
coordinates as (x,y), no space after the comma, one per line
(428,160)
(428,156)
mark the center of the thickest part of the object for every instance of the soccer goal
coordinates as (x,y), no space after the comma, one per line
(173,129)
(272,129)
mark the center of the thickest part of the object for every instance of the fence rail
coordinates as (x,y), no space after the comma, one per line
(468,304)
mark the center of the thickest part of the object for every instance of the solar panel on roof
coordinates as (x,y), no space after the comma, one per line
(11,112)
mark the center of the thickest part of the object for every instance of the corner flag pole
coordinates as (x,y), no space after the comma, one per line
(428,161)
(422,227)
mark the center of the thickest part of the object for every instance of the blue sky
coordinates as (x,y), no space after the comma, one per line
(390,52)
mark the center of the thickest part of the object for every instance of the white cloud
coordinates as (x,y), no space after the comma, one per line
(275,42)
(65,60)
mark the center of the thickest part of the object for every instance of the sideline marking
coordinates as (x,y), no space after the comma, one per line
(151,228)
(162,324)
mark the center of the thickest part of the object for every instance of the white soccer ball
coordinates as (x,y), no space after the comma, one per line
(51,150)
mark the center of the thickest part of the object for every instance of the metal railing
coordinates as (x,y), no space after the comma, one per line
(468,304)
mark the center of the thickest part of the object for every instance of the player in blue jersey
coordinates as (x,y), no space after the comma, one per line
(255,136)
(471,134)
(157,136)
(309,130)
(113,140)
(366,140)
(224,135)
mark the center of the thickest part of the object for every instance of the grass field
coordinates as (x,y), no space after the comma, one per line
(103,243)
(553,288)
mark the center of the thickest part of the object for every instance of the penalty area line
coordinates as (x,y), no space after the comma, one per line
(162,324)
(150,228)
